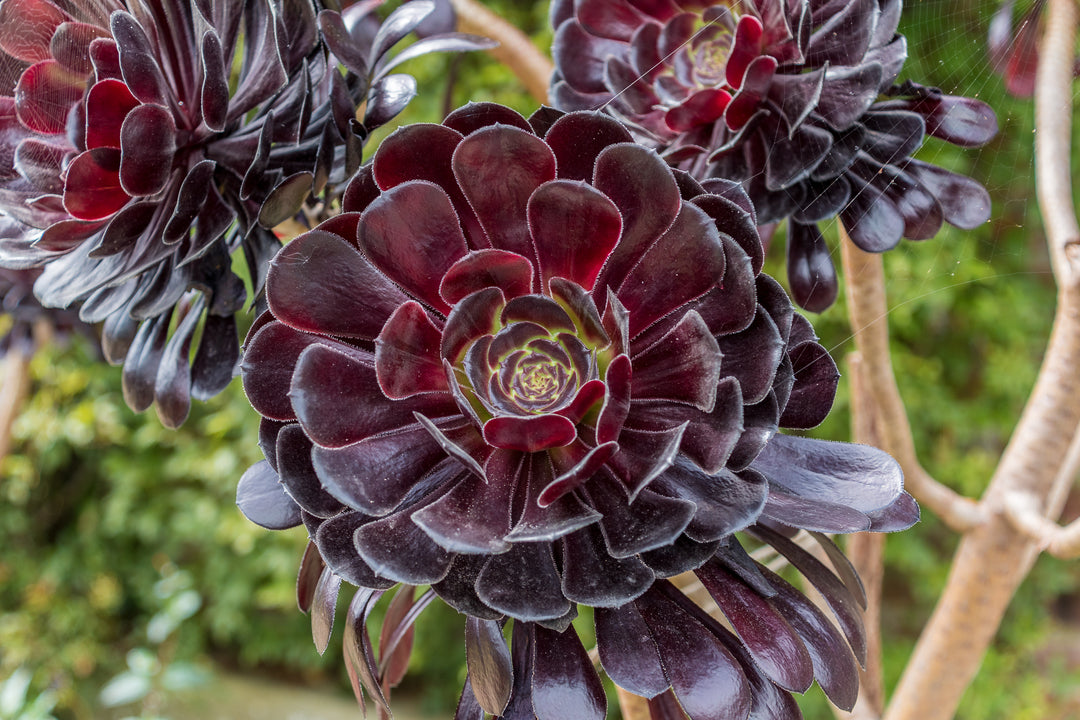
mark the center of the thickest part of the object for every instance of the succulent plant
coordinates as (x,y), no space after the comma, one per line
(532,366)
(136,160)
(784,97)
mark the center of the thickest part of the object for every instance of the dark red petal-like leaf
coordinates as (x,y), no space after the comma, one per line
(321,284)
(840,600)
(834,666)
(510,272)
(396,548)
(531,433)
(591,576)
(651,521)
(726,502)
(488,658)
(900,515)
(523,583)
(564,682)
(684,263)
(322,609)
(578,138)
(336,397)
(147,146)
(411,233)
(269,360)
(92,188)
(297,475)
(574,228)
(775,646)
(705,677)
(107,104)
(752,356)
(474,516)
(27,26)
(571,478)
(859,476)
(142,74)
(642,187)
(172,387)
(263,501)
(338,549)
(498,168)
(407,358)
(683,366)
(311,567)
(810,268)
(473,317)
(142,361)
(564,515)
(44,95)
(628,651)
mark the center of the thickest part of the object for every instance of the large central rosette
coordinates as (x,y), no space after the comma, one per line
(531,365)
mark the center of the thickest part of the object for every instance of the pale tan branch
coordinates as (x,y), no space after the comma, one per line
(1024,511)
(515,49)
(867,554)
(13,390)
(995,557)
(864,277)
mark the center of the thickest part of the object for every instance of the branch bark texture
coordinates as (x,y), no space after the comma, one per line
(864,277)
(515,50)
(994,557)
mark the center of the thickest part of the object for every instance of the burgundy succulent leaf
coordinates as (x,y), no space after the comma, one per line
(536,370)
(136,160)
(784,98)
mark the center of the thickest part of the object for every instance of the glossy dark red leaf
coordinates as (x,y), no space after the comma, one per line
(775,646)
(491,673)
(322,609)
(704,676)
(92,189)
(411,234)
(307,282)
(45,93)
(263,501)
(524,583)
(574,228)
(510,272)
(498,168)
(147,146)
(407,358)
(564,683)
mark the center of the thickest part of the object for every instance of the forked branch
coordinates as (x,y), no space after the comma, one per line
(864,278)
(995,557)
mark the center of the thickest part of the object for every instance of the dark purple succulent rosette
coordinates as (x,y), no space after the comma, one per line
(533,366)
(782,97)
(136,160)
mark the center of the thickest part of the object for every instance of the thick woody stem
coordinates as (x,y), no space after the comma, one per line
(13,389)
(867,554)
(995,557)
(515,49)
(864,276)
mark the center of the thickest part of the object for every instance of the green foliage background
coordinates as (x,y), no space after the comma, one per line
(95,500)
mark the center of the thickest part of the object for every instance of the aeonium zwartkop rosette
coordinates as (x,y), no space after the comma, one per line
(532,366)
(782,96)
(136,159)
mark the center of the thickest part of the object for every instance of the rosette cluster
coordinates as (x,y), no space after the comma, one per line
(782,96)
(532,366)
(145,142)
